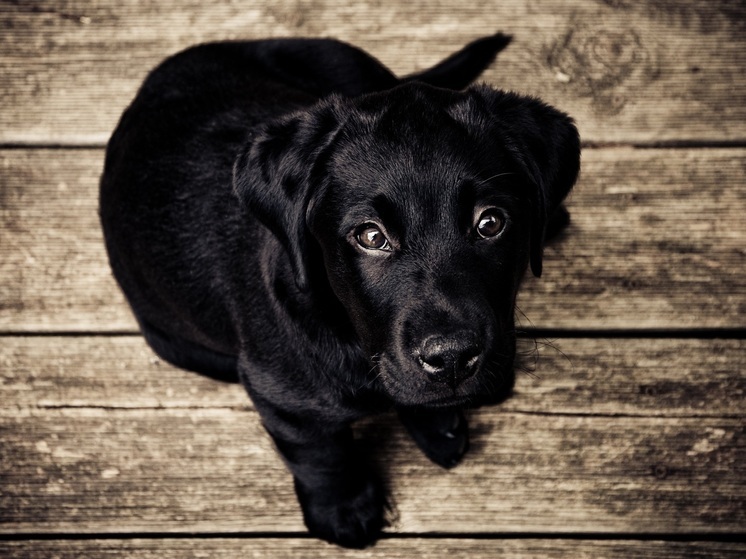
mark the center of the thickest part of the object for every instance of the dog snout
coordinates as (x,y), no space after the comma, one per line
(451,358)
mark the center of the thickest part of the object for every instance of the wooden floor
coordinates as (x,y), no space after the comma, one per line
(625,438)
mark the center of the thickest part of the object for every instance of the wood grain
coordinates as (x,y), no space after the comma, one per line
(640,72)
(54,270)
(142,447)
(657,241)
(610,447)
(259,548)
(93,470)
(613,436)
(584,376)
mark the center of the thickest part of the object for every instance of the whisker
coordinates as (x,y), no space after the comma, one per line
(520,314)
(528,372)
(538,343)
(550,344)
(537,352)
(375,360)
(497,176)
(527,358)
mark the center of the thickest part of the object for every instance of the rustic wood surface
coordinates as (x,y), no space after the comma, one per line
(464,548)
(70,67)
(213,470)
(134,445)
(685,378)
(658,240)
(625,435)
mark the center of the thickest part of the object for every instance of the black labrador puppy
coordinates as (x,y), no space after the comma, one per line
(290,213)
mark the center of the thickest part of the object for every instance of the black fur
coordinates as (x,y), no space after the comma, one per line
(237,190)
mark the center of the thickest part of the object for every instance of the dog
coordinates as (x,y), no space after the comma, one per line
(290,214)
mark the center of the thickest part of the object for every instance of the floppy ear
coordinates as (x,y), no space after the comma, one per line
(279,171)
(546,147)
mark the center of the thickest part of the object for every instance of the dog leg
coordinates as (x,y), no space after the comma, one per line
(342,499)
(442,435)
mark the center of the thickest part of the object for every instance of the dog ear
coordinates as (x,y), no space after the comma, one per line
(276,176)
(545,145)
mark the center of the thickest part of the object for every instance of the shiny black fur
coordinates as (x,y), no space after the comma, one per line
(235,190)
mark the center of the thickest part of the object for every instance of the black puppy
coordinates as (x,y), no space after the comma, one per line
(291,213)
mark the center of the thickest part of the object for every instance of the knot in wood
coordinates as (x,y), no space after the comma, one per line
(602,64)
(660,471)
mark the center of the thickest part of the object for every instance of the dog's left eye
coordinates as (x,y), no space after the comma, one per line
(490,223)
(370,236)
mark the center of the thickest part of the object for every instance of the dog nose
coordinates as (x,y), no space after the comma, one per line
(450,359)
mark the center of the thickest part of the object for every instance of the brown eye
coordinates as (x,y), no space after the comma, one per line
(491,222)
(371,237)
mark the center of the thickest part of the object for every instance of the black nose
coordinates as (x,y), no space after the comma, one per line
(452,358)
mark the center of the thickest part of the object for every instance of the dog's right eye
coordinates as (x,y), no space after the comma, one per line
(370,236)
(490,223)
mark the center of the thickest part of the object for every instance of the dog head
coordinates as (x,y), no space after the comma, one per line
(427,206)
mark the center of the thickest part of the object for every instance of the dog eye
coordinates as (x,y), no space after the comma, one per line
(370,236)
(491,222)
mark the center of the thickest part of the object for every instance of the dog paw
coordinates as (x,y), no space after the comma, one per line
(442,436)
(347,518)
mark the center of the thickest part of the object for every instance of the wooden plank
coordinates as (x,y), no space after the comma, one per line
(657,241)
(92,470)
(107,372)
(628,71)
(230,548)
(53,266)
(631,377)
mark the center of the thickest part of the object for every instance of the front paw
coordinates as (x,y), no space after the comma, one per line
(442,436)
(349,513)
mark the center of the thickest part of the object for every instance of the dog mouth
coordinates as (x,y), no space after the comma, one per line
(406,386)
(450,402)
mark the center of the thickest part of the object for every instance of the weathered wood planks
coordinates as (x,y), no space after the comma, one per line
(629,72)
(140,447)
(452,548)
(626,376)
(657,241)
(52,260)
(611,446)
(95,470)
